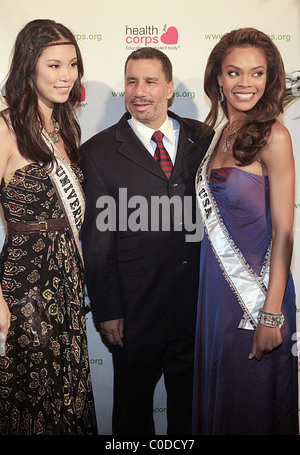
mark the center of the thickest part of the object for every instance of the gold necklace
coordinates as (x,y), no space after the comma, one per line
(54,135)
(226,146)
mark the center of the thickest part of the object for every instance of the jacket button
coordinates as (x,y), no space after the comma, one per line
(182,263)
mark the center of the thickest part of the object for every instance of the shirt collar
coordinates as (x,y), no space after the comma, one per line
(144,131)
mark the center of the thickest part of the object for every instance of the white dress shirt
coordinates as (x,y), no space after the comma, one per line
(170,129)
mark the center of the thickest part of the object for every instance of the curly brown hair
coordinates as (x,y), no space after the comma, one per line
(22,100)
(250,139)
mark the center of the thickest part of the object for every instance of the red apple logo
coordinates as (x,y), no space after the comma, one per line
(170,36)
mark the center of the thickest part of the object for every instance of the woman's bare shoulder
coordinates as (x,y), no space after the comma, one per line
(279,133)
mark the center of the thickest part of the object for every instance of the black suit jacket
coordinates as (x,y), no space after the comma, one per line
(149,277)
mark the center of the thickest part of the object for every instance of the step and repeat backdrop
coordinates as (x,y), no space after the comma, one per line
(107,31)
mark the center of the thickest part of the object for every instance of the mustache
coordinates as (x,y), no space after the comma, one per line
(140,100)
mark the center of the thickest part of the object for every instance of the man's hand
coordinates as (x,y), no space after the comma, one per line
(113,331)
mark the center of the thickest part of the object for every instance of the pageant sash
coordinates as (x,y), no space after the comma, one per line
(249,288)
(68,190)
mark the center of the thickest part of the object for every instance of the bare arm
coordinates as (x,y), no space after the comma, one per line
(279,162)
(6,142)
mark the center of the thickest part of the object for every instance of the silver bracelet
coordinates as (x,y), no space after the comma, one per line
(270,319)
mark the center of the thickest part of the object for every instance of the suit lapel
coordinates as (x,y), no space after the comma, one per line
(134,150)
(184,149)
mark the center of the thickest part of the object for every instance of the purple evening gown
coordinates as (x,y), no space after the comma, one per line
(234,395)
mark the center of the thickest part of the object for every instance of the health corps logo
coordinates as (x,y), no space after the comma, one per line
(150,35)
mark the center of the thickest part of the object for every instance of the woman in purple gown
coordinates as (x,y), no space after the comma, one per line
(245,361)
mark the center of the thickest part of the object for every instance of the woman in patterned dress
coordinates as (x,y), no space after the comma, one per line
(45,384)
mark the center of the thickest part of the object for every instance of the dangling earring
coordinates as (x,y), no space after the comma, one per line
(221,94)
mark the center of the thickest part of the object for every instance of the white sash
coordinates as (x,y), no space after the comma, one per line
(249,288)
(68,190)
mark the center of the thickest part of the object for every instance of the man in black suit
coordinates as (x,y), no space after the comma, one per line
(142,271)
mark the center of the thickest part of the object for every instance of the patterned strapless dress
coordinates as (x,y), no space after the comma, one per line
(45,384)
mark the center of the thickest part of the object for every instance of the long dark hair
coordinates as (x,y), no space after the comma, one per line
(253,136)
(22,100)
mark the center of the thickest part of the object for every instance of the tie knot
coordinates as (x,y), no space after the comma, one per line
(157,136)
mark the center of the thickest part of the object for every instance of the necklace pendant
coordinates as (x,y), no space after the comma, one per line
(225,147)
(54,135)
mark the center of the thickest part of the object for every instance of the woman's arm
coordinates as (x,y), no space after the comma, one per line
(279,162)
(6,142)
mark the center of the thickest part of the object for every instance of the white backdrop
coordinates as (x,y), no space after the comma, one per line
(107,31)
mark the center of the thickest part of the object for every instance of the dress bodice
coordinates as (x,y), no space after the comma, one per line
(243,200)
(28,194)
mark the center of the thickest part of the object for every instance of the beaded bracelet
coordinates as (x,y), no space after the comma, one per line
(270,319)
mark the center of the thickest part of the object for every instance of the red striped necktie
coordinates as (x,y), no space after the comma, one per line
(161,155)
